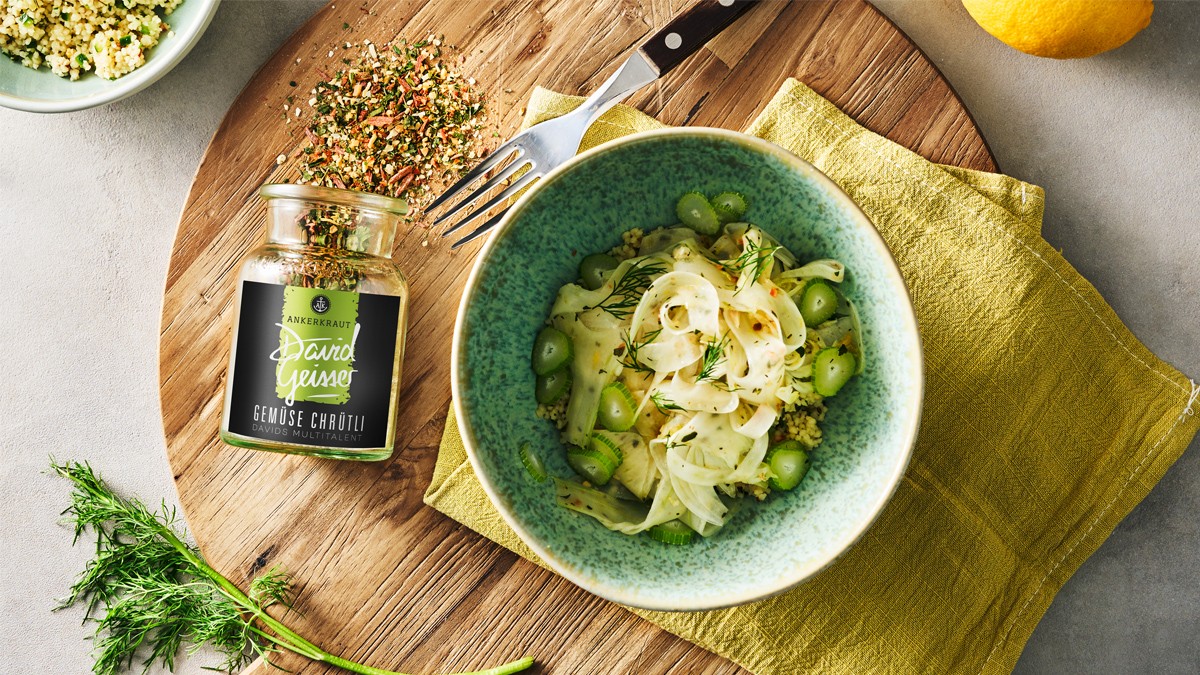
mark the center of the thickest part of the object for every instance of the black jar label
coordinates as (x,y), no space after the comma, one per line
(313,366)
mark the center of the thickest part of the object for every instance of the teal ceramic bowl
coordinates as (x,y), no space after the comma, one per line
(583,207)
(42,91)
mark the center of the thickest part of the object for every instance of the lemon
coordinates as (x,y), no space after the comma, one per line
(1062,29)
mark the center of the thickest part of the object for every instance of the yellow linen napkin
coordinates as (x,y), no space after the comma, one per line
(1045,422)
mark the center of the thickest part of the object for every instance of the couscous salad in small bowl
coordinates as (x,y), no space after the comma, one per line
(63,55)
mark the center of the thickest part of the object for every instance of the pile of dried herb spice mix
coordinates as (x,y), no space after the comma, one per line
(395,121)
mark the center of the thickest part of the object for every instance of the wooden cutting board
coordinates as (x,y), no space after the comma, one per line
(382,578)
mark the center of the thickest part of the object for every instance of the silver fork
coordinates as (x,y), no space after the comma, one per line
(551,143)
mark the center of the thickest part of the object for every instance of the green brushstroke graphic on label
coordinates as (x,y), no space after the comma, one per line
(317,334)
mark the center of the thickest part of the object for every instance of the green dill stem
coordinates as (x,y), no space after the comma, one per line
(632,348)
(282,636)
(627,291)
(714,355)
(289,639)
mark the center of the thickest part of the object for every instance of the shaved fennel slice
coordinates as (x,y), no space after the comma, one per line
(856,331)
(684,307)
(702,528)
(698,396)
(727,245)
(669,353)
(646,402)
(682,469)
(751,469)
(748,299)
(664,239)
(756,355)
(756,260)
(700,500)
(782,254)
(622,515)
(710,445)
(830,270)
(594,366)
(573,298)
(756,424)
(614,513)
(834,331)
(682,302)
(772,303)
(791,323)
(688,258)
(638,471)
(693,307)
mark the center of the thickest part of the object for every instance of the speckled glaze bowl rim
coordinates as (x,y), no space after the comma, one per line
(631,597)
(161,61)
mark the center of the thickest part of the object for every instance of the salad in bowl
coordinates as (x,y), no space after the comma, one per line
(686,370)
(688,367)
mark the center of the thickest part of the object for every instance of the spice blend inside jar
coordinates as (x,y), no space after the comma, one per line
(318,335)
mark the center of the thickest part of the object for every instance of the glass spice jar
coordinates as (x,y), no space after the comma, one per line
(319,321)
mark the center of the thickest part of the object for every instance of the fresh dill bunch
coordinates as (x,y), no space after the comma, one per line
(628,290)
(149,591)
(714,355)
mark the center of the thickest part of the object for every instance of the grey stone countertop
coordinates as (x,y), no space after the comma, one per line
(90,201)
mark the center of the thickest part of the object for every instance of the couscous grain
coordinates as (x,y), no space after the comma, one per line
(72,37)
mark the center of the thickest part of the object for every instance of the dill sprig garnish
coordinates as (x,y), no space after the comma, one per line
(632,347)
(149,591)
(752,261)
(714,355)
(664,404)
(628,290)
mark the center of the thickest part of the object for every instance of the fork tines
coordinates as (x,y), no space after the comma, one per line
(512,149)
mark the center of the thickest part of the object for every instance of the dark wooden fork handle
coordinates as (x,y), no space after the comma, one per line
(689,31)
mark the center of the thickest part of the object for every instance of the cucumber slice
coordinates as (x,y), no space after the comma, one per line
(730,206)
(595,467)
(550,388)
(552,350)
(532,463)
(618,410)
(832,368)
(595,269)
(673,532)
(789,462)
(695,212)
(818,303)
(603,443)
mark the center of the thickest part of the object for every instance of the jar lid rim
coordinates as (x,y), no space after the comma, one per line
(353,198)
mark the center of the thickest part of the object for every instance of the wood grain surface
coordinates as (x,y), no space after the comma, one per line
(384,579)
